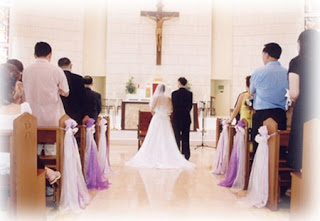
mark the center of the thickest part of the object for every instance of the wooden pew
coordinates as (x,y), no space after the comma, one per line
(297,194)
(247,154)
(274,148)
(81,135)
(232,133)
(26,182)
(218,130)
(51,135)
(305,185)
(277,168)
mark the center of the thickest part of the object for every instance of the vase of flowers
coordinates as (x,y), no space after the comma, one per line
(130,89)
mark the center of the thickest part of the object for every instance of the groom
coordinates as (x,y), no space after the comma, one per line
(182,104)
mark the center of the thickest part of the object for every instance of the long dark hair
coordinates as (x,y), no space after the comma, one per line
(309,42)
(9,75)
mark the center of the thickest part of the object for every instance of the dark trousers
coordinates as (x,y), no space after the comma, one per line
(277,114)
(183,134)
(40,165)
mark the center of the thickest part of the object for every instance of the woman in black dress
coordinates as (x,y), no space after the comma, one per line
(302,74)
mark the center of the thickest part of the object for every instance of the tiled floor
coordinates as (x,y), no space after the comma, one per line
(155,194)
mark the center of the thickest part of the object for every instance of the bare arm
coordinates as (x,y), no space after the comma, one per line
(294,83)
(63,86)
(236,109)
(62,93)
(149,16)
(167,18)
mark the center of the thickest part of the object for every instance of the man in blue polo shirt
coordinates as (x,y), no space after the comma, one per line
(268,84)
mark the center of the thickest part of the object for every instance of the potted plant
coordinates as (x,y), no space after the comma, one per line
(130,89)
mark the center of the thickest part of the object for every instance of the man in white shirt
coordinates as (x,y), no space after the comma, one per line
(44,83)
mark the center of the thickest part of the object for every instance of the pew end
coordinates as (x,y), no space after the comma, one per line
(218,130)
(25,184)
(247,153)
(274,148)
(305,185)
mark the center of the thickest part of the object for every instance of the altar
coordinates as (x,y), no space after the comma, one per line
(130,110)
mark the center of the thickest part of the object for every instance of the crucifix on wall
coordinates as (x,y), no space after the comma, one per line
(159,17)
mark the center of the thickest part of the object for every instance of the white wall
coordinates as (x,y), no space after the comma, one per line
(186,44)
(222,40)
(187,40)
(95,38)
(256,23)
(58,22)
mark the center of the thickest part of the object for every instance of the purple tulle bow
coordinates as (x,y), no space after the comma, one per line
(90,122)
(241,124)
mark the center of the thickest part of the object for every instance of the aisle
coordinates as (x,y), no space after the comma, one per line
(167,194)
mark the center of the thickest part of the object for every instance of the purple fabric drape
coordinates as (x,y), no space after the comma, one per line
(94,176)
(234,160)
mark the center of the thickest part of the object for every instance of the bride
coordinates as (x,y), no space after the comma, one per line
(159,149)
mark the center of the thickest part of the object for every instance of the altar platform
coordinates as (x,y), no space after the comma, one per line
(130,114)
(129,137)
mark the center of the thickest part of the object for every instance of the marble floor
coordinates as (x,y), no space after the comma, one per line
(145,194)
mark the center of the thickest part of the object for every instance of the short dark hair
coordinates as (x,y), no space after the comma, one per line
(248,81)
(64,62)
(42,49)
(16,63)
(273,49)
(87,80)
(183,81)
(9,75)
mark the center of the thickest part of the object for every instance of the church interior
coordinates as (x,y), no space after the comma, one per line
(129,47)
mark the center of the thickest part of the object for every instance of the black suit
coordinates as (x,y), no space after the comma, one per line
(74,103)
(182,105)
(92,103)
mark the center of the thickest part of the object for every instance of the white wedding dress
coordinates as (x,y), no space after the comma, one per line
(159,149)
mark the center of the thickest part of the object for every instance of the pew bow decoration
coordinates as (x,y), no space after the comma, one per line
(288,99)
(235,176)
(74,192)
(221,161)
(103,148)
(257,194)
(93,174)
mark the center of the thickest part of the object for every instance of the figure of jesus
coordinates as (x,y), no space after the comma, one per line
(159,20)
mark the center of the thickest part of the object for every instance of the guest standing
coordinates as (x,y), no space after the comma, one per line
(303,71)
(44,83)
(243,106)
(74,103)
(92,106)
(19,94)
(268,85)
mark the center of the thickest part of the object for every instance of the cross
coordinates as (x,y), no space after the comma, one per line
(159,16)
